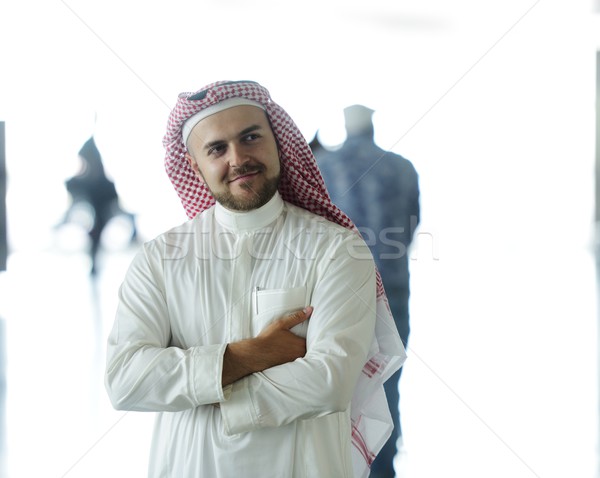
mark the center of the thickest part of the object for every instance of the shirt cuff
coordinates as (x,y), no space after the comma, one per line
(237,412)
(207,373)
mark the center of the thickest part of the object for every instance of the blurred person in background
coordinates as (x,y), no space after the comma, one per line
(94,200)
(379,190)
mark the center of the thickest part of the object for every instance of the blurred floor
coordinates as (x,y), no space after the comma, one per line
(59,420)
(501,379)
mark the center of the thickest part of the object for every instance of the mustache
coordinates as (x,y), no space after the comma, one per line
(245,169)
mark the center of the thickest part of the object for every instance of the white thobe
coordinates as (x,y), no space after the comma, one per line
(223,277)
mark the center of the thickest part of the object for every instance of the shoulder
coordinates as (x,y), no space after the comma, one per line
(402,163)
(181,229)
(310,231)
(178,238)
(302,217)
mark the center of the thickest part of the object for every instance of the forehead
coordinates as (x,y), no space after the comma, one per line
(229,123)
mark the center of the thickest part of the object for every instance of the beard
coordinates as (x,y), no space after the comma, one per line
(258,199)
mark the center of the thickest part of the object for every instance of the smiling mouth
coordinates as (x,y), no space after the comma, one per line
(246,174)
(241,177)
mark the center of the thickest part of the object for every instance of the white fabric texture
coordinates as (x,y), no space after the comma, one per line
(222,277)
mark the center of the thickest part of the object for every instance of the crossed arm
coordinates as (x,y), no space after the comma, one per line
(275,345)
(269,380)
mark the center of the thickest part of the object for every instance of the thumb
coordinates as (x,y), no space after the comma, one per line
(297,317)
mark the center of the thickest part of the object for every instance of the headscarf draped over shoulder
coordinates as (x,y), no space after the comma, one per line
(302,185)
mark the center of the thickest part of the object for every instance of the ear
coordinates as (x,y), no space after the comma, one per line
(194,166)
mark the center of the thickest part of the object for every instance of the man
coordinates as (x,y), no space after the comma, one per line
(258,329)
(379,190)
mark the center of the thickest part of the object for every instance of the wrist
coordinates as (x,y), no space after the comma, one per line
(238,361)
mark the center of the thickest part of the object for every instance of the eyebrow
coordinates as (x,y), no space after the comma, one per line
(242,133)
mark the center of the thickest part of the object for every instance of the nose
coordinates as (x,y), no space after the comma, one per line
(237,156)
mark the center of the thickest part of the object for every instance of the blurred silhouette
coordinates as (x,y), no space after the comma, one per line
(315,145)
(94,200)
(3,234)
(379,190)
(3,260)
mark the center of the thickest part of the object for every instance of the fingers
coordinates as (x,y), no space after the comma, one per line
(295,318)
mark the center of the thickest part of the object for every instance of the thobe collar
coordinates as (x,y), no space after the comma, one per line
(250,220)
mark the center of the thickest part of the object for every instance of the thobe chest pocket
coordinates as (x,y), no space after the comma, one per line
(271,304)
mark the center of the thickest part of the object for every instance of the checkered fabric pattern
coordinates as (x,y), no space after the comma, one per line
(301,182)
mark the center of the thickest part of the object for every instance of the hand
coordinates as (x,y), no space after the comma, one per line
(278,343)
(275,345)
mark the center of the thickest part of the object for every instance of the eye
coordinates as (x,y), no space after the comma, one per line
(250,137)
(216,150)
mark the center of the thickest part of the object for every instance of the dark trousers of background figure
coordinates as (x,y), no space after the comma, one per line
(100,223)
(383,466)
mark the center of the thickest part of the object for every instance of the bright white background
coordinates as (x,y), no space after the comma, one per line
(494,104)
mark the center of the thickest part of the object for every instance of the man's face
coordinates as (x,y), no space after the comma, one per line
(235,154)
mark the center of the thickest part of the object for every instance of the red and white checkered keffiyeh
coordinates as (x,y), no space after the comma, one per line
(300,184)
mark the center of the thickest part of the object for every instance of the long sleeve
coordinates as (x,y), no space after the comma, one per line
(221,278)
(143,372)
(340,332)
